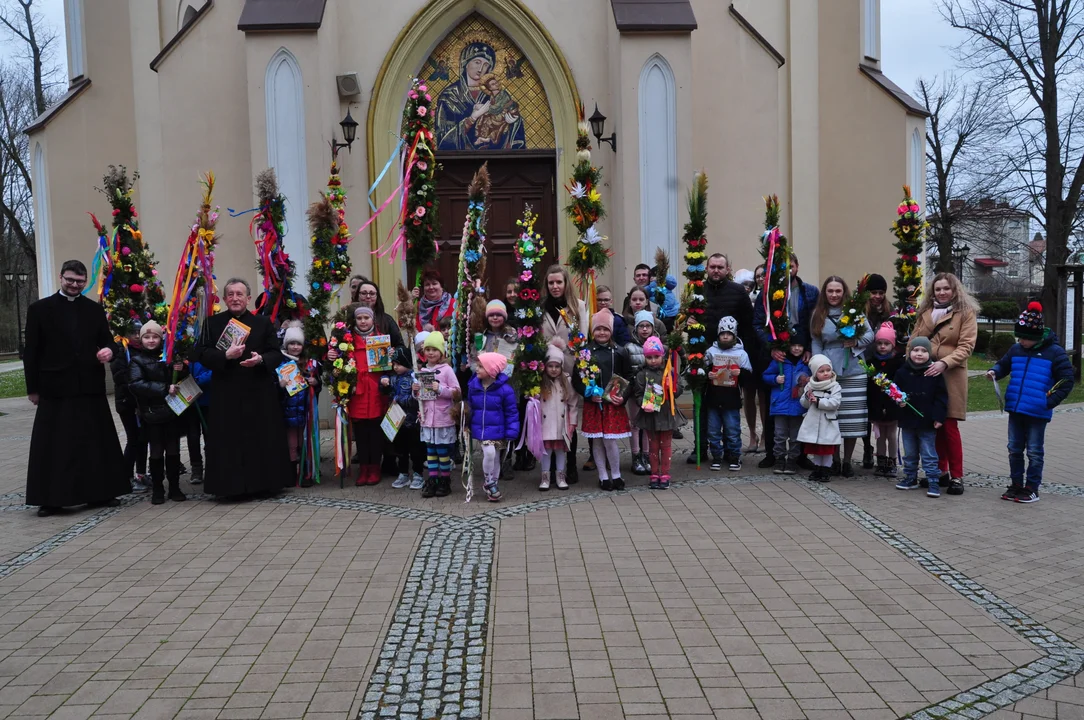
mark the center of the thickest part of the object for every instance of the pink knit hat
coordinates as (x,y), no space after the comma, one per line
(555,354)
(603,318)
(653,347)
(494,363)
(887,331)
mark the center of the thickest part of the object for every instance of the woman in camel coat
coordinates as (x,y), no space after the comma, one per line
(559,296)
(947,316)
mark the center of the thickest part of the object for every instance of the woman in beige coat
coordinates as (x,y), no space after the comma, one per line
(947,316)
(561,297)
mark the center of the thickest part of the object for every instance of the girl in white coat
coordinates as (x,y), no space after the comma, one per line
(819,433)
(559,418)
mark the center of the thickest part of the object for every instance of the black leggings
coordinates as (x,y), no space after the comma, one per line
(409,450)
(370,439)
(164,438)
(193,430)
(135,447)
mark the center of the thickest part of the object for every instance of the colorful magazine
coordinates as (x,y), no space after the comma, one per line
(187,393)
(727,370)
(235,330)
(290,378)
(616,389)
(653,398)
(430,388)
(393,420)
(378,352)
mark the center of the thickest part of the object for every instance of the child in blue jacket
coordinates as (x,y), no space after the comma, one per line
(787,380)
(667,300)
(1041,376)
(408,446)
(494,416)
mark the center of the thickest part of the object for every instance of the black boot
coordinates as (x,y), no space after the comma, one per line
(296,464)
(867,457)
(158,473)
(521,460)
(529,463)
(429,488)
(444,487)
(197,474)
(173,474)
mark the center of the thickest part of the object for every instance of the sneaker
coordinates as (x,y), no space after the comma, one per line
(1011,492)
(735,464)
(907,484)
(493,493)
(664,482)
(619,484)
(789,467)
(780,469)
(638,466)
(716,464)
(767,462)
(401,482)
(934,490)
(956,487)
(654,484)
(139,485)
(417,482)
(1028,495)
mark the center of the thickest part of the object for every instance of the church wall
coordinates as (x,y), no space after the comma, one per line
(205,126)
(864,163)
(95,130)
(736,125)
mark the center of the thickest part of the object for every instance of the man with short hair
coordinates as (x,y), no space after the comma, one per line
(248,454)
(75,456)
(723,297)
(641,278)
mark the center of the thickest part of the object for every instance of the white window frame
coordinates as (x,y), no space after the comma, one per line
(286,151)
(871,32)
(917,164)
(74,29)
(43,233)
(652,196)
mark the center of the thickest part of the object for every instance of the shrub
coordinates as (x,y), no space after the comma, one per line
(982,341)
(1000,344)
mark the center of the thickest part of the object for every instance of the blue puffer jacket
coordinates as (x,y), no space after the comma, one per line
(295,409)
(494,412)
(785,401)
(1034,372)
(202,377)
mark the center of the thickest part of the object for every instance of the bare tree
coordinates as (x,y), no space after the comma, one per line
(959,133)
(1031,52)
(28,85)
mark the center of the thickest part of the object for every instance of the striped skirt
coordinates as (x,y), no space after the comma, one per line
(852,413)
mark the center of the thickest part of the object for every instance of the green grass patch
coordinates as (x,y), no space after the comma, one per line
(979,362)
(981,397)
(12,384)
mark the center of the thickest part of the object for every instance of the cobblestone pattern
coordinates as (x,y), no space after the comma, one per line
(430,664)
(1063,659)
(47,546)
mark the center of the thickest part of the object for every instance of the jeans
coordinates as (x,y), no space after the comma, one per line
(920,444)
(1026,432)
(724,432)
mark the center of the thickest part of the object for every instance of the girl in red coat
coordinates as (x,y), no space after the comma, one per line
(368,405)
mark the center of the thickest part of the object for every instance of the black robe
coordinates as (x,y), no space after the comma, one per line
(75,456)
(246,446)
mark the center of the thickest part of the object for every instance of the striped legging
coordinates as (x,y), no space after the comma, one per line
(439,458)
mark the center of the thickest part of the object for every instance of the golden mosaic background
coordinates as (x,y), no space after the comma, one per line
(517,76)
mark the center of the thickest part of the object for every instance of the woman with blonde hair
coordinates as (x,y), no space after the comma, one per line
(948,317)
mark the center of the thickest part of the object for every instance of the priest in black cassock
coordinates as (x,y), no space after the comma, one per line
(246,449)
(75,456)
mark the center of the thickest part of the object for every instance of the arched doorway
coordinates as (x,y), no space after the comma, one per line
(475,67)
(523,167)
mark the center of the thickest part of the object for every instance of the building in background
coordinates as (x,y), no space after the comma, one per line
(768,96)
(994,251)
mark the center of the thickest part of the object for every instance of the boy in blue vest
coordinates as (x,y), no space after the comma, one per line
(1041,378)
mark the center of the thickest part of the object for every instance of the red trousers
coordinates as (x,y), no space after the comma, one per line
(950,448)
(659,442)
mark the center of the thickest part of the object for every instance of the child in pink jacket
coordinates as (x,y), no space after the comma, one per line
(438,428)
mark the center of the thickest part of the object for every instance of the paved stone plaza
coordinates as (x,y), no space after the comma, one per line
(732,595)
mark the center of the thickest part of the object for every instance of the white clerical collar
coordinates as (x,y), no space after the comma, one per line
(69,298)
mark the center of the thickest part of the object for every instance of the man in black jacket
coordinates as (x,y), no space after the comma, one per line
(723,297)
(75,456)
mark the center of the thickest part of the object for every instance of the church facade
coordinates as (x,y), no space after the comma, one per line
(766,96)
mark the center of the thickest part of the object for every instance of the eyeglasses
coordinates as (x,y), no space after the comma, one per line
(367,293)
(73,280)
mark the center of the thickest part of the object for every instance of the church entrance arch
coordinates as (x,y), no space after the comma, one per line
(502,94)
